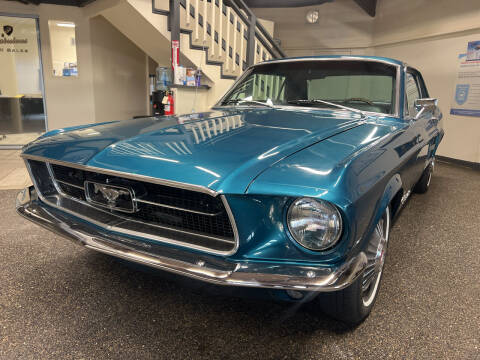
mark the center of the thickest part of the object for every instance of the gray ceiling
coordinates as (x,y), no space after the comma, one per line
(283,3)
(368,5)
(56,2)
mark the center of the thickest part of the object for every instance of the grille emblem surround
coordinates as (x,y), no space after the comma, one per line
(113,197)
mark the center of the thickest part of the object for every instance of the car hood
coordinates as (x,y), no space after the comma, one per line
(222,150)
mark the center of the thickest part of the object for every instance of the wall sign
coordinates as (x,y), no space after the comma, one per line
(20,72)
(7,38)
(175,53)
(466,100)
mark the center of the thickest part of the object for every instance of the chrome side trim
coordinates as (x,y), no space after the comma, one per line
(153,180)
(233,223)
(326,58)
(397,90)
(276,275)
(122,220)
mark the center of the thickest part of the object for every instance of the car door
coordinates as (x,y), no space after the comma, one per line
(420,124)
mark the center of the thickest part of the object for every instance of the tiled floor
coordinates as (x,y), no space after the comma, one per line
(13,174)
(18,139)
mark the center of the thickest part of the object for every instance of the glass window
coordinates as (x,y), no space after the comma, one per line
(64,48)
(412,92)
(375,88)
(261,87)
(22,115)
(364,85)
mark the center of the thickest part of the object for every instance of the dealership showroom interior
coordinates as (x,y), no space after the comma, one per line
(239,179)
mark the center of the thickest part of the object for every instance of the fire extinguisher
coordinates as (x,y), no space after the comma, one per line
(169,103)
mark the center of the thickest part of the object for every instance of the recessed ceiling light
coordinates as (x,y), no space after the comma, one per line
(312,16)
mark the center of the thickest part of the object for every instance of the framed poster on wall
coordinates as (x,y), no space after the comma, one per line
(466,99)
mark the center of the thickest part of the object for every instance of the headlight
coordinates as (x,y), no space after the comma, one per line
(314,224)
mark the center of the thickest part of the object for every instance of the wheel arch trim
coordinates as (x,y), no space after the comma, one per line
(392,188)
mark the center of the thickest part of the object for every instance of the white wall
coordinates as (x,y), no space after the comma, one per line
(190,100)
(439,68)
(119,73)
(404,20)
(428,34)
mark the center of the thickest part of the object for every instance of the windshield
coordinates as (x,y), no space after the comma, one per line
(363,85)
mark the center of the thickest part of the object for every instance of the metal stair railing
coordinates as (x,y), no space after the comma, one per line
(227,30)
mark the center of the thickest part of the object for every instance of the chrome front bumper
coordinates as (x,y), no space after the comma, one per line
(202,267)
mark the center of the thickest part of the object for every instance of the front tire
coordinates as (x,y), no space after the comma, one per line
(421,187)
(353,304)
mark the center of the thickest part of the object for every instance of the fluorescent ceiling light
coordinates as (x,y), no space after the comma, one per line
(70,25)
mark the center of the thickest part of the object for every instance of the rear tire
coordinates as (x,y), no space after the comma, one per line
(421,187)
(353,304)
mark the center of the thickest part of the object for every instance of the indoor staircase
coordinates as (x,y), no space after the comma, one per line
(222,37)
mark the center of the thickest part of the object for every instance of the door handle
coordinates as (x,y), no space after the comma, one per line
(419,138)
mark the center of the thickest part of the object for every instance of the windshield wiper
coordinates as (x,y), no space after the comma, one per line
(320,101)
(240,102)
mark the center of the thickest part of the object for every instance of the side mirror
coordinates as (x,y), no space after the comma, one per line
(422,105)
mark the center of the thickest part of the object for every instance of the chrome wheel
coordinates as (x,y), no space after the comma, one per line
(376,251)
(429,178)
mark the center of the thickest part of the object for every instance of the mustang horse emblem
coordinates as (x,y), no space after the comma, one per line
(109,193)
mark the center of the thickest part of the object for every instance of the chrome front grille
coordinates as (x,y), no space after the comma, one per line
(162,212)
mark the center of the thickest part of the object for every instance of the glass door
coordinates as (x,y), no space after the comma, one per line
(22,110)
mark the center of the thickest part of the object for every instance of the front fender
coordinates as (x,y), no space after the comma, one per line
(355,170)
(394,186)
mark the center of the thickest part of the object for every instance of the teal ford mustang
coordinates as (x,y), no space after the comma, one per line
(290,182)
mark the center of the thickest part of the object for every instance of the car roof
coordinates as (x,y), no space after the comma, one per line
(337,57)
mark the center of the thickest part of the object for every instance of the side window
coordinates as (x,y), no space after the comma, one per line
(412,93)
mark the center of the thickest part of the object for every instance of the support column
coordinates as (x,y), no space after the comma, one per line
(251,40)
